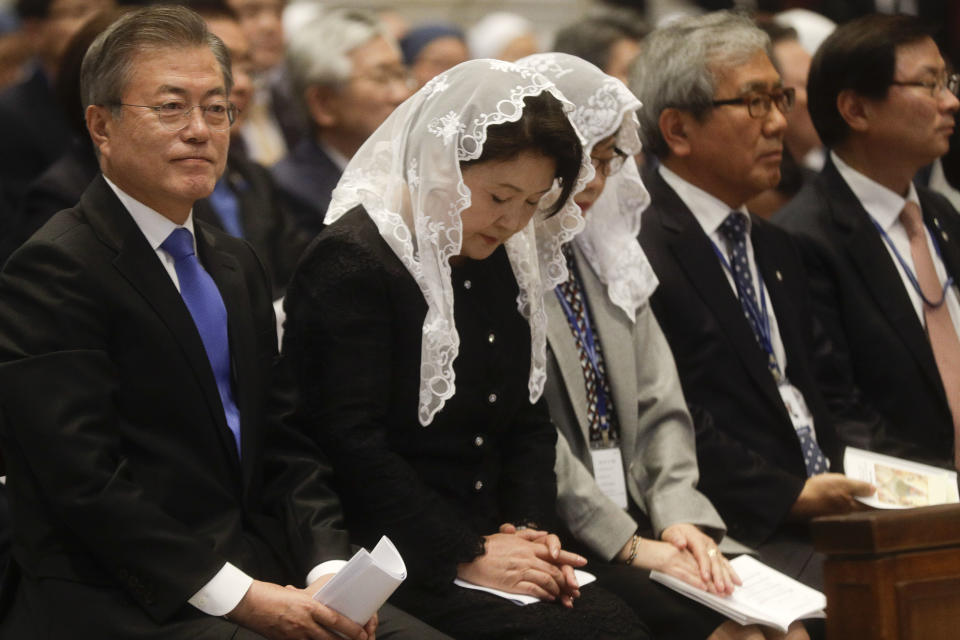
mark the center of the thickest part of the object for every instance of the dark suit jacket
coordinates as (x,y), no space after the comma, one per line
(751,466)
(861,300)
(34,133)
(306,178)
(353,336)
(265,225)
(123,474)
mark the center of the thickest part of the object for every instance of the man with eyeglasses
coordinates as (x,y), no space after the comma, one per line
(732,299)
(882,252)
(156,489)
(348,74)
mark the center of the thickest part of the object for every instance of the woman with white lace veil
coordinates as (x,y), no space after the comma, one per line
(417,334)
(613,390)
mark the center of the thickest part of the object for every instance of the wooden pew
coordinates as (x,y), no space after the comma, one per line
(892,575)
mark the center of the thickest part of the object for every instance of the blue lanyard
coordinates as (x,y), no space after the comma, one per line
(760,317)
(587,340)
(910,275)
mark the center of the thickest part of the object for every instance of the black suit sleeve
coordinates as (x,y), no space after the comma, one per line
(63,432)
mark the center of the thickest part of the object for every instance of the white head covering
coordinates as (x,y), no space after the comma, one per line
(604,107)
(494,31)
(407,177)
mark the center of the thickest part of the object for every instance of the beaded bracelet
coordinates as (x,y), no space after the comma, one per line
(634,547)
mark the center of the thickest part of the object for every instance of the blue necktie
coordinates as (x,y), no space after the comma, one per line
(225,205)
(734,229)
(203,300)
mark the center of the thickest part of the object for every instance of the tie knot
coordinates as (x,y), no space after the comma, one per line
(179,243)
(734,226)
(912,220)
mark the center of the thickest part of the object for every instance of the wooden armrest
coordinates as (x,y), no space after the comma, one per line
(887,531)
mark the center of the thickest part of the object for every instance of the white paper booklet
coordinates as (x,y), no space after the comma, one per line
(901,484)
(767,597)
(361,587)
(583,579)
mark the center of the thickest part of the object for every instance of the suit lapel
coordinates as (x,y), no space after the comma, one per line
(138,263)
(770,269)
(693,251)
(615,334)
(877,270)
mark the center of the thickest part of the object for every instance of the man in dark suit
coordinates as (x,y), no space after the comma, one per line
(882,100)
(244,203)
(732,299)
(154,483)
(348,75)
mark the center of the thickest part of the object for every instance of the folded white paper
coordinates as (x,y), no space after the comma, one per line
(361,587)
(767,597)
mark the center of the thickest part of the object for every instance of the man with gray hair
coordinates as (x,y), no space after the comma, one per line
(348,74)
(155,487)
(732,299)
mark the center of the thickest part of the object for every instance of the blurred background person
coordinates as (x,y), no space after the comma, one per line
(273,123)
(803,153)
(62,183)
(348,75)
(610,40)
(502,35)
(431,49)
(33,129)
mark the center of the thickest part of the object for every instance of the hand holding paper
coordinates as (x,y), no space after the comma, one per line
(900,483)
(361,587)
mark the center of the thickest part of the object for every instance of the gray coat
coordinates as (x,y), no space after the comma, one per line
(657,436)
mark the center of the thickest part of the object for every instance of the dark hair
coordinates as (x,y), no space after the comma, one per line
(861,56)
(544,128)
(592,38)
(105,71)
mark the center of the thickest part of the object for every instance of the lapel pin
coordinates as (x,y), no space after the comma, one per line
(779,276)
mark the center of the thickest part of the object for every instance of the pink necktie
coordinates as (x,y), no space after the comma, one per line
(940,329)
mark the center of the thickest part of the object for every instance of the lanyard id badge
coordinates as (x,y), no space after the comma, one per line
(608,472)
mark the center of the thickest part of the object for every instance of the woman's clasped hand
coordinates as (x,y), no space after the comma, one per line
(525,561)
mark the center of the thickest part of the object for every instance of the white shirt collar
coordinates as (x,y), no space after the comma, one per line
(709,210)
(154,226)
(881,203)
(338,158)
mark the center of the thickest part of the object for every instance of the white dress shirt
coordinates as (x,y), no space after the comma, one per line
(226,589)
(710,212)
(884,206)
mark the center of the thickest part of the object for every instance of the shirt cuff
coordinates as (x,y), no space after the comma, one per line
(223,593)
(322,569)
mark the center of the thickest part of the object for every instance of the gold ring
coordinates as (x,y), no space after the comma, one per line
(711,552)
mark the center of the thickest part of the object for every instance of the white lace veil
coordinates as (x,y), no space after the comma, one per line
(407,177)
(604,106)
